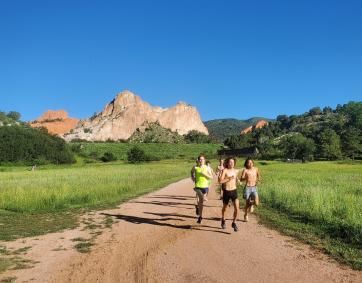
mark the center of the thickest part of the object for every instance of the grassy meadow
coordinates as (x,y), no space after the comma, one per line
(320,202)
(88,186)
(51,193)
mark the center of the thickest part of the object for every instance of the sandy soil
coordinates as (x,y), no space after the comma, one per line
(155,238)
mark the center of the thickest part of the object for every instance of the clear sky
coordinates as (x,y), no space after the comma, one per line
(230,59)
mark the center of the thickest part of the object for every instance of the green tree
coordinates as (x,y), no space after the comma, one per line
(240,141)
(195,136)
(353,110)
(315,111)
(298,147)
(108,156)
(23,144)
(330,145)
(352,142)
(136,155)
(14,115)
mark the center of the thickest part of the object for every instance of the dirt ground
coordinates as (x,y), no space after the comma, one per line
(155,238)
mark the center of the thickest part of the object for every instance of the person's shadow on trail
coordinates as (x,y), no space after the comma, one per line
(167,203)
(183,205)
(159,222)
(172,197)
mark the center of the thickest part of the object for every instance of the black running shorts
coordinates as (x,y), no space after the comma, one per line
(229,195)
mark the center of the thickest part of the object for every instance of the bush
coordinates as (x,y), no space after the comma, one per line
(136,155)
(24,144)
(108,156)
(197,137)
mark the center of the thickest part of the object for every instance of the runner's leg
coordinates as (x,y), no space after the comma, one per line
(236,210)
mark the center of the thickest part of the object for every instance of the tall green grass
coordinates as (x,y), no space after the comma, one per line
(87,186)
(321,192)
(323,195)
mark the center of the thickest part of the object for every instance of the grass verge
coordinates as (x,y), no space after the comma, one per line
(315,235)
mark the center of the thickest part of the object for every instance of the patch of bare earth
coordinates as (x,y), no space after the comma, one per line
(155,238)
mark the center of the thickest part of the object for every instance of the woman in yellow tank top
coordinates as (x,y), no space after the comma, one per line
(201,176)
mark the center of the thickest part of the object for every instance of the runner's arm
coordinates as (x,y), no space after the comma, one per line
(238,180)
(224,179)
(207,174)
(193,174)
(243,175)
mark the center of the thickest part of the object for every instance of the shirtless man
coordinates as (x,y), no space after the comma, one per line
(229,177)
(251,176)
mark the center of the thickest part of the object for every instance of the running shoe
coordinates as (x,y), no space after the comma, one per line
(246,218)
(199,220)
(223,226)
(233,225)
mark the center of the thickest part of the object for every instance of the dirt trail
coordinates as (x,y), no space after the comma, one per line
(155,238)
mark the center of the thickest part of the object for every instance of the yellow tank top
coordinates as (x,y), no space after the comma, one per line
(201,180)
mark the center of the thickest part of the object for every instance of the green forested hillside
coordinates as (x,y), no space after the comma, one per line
(319,133)
(220,129)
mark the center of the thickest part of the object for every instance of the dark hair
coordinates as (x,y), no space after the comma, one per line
(201,155)
(247,160)
(226,162)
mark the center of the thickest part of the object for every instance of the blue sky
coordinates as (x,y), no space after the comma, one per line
(234,59)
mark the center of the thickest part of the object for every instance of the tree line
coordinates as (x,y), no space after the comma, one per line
(22,144)
(327,134)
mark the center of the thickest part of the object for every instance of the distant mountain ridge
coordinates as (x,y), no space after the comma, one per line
(220,129)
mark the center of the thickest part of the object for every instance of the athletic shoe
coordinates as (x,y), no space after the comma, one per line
(233,225)
(246,218)
(199,220)
(197,209)
(223,226)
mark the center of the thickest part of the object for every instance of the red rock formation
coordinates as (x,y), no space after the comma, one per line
(258,125)
(56,122)
(127,112)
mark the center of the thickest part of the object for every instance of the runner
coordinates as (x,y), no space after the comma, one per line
(202,175)
(229,177)
(218,171)
(251,176)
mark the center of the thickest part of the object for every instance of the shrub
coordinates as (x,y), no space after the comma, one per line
(136,155)
(108,156)
(196,137)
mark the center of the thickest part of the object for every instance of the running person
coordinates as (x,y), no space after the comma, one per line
(251,176)
(202,176)
(229,177)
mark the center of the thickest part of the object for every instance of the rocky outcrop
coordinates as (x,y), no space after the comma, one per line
(258,125)
(127,112)
(56,122)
